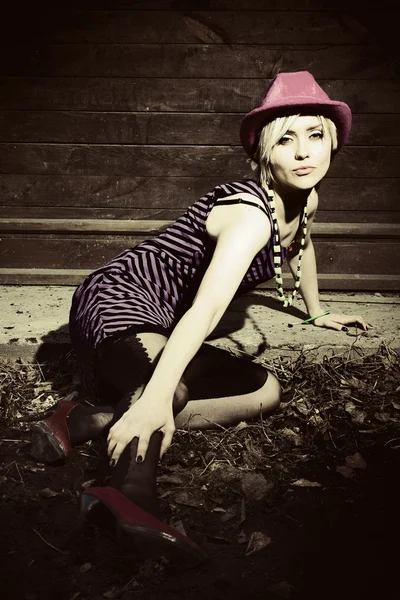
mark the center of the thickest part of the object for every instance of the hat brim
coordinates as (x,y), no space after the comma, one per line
(254,121)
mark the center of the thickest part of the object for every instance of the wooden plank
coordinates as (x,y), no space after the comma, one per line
(195,60)
(341,281)
(170,214)
(63,25)
(58,252)
(178,161)
(81,192)
(94,127)
(121,127)
(87,212)
(104,191)
(209,5)
(153,227)
(83,226)
(172,94)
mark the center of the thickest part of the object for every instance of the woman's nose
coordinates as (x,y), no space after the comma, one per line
(302,150)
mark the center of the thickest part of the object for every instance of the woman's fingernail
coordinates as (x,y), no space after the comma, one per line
(139,458)
(344,329)
(112,463)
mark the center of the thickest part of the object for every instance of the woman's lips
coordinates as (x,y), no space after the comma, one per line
(304,170)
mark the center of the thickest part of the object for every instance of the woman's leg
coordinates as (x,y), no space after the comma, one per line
(222,388)
(130,496)
(126,365)
(225,389)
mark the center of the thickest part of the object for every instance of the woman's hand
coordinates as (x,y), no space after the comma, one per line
(339,322)
(141,420)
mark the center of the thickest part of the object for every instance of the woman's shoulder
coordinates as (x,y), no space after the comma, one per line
(245,186)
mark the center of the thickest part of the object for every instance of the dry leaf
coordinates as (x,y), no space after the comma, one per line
(240,426)
(255,487)
(32,469)
(230,514)
(218,538)
(356,461)
(186,500)
(346,472)
(306,483)
(228,473)
(357,415)
(112,594)
(258,541)
(253,451)
(241,538)
(87,484)
(48,493)
(317,421)
(243,515)
(283,589)
(45,386)
(349,407)
(173,479)
(180,527)
(383,417)
(302,407)
(291,435)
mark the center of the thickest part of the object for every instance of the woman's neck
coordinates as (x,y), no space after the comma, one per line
(290,202)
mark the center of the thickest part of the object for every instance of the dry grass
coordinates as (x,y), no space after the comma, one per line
(316,463)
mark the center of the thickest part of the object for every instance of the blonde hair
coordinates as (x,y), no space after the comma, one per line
(270,136)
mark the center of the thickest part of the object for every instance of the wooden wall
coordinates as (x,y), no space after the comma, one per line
(116,115)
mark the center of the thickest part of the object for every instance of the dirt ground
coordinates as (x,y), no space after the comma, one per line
(300,505)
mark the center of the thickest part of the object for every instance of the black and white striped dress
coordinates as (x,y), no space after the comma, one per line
(156,281)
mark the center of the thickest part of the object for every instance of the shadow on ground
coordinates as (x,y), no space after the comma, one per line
(299,505)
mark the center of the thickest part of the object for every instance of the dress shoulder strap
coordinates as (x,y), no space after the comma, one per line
(241,201)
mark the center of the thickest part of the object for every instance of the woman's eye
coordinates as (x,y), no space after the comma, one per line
(317,135)
(284,140)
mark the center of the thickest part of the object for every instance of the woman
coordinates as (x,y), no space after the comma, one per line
(139,324)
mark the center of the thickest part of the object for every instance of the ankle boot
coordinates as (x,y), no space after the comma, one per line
(129,503)
(69,424)
(138,480)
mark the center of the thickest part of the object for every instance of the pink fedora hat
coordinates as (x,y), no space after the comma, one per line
(292,93)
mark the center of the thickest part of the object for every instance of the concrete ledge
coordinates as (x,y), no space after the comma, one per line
(35,324)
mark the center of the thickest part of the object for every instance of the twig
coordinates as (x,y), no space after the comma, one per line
(48,543)
(262,427)
(40,370)
(204,470)
(19,473)
(89,455)
(126,585)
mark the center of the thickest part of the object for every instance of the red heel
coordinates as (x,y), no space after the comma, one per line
(50,438)
(147,534)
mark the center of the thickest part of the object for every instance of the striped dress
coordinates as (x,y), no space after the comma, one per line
(155,282)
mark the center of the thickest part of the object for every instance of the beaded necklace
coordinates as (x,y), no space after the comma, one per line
(277,251)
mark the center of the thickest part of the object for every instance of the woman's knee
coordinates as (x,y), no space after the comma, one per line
(270,394)
(181,397)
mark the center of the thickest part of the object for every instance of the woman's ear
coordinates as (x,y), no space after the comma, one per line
(333,154)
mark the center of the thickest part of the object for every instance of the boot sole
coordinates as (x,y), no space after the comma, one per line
(140,538)
(45,446)
(146,543)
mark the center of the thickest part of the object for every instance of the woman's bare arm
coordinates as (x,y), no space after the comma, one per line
(244,234)
(309,282)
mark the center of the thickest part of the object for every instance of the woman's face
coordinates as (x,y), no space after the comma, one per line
(302,156)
